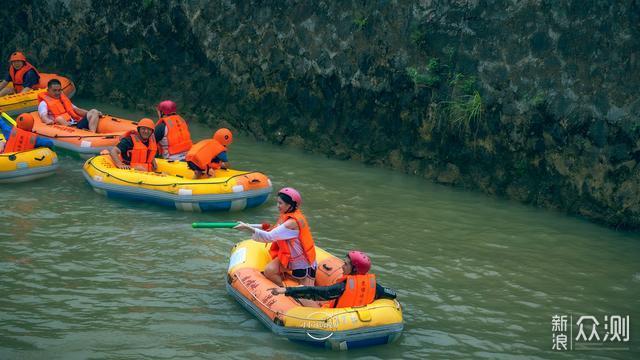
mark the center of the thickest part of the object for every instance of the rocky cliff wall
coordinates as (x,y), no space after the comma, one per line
(534,100)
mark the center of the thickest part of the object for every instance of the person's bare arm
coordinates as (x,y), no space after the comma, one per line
(114,152)
(43,111)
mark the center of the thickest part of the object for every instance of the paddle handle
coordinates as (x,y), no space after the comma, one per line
(219,225)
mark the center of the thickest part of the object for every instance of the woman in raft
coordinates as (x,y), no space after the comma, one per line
(292,249)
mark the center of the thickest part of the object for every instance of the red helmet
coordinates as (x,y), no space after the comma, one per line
(359,261)
(293,194)
(223,136)
(25,122)
(18,56)
(167,107)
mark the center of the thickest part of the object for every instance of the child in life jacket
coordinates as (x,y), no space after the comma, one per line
(210,154)
(21,137)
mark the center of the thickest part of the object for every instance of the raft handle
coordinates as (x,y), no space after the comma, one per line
(363,314)
(39,159)
(278,321)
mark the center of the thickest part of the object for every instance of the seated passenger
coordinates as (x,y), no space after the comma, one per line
(356,288)
(137,149)
(22,74)
(210,154)
(20,137)
(56,108)
(172,132)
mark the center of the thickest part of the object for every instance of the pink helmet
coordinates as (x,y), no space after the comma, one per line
(167,107)
(360,262)
(293,194)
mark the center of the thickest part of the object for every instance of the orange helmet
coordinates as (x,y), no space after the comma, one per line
(223,136)
(18,56)
(25,122)
(146,122)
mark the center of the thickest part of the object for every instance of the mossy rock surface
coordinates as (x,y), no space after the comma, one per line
(557,126)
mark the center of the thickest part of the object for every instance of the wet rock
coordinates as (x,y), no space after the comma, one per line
(598,132)
(556,83)
(450,175)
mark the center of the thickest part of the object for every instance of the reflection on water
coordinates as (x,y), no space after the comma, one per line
(85,276)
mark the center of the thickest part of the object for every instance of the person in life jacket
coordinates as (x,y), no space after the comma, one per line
(357,287)
(22,74)
(137,149)
(210,154)
(55,108)
(292,247)
(172,133)
(20,137)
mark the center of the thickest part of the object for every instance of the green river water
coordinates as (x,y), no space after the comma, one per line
(83,276)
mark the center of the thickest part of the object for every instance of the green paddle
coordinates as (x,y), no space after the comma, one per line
(219,225)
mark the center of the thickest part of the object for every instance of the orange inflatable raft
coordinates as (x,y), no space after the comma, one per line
(110,129)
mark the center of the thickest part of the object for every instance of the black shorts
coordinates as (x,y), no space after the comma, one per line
(83,123)
(303,273)
(193,166)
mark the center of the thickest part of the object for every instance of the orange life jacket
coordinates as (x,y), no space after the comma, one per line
(17,77)
(178,136)
(359,290)
(280,248)
(59,107)
(203,152)
(20,140)
(141,154)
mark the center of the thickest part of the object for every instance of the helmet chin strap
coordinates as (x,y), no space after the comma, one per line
(291,209)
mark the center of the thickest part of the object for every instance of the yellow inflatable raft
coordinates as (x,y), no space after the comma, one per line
(27,165)
(340,329)
(174,185)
